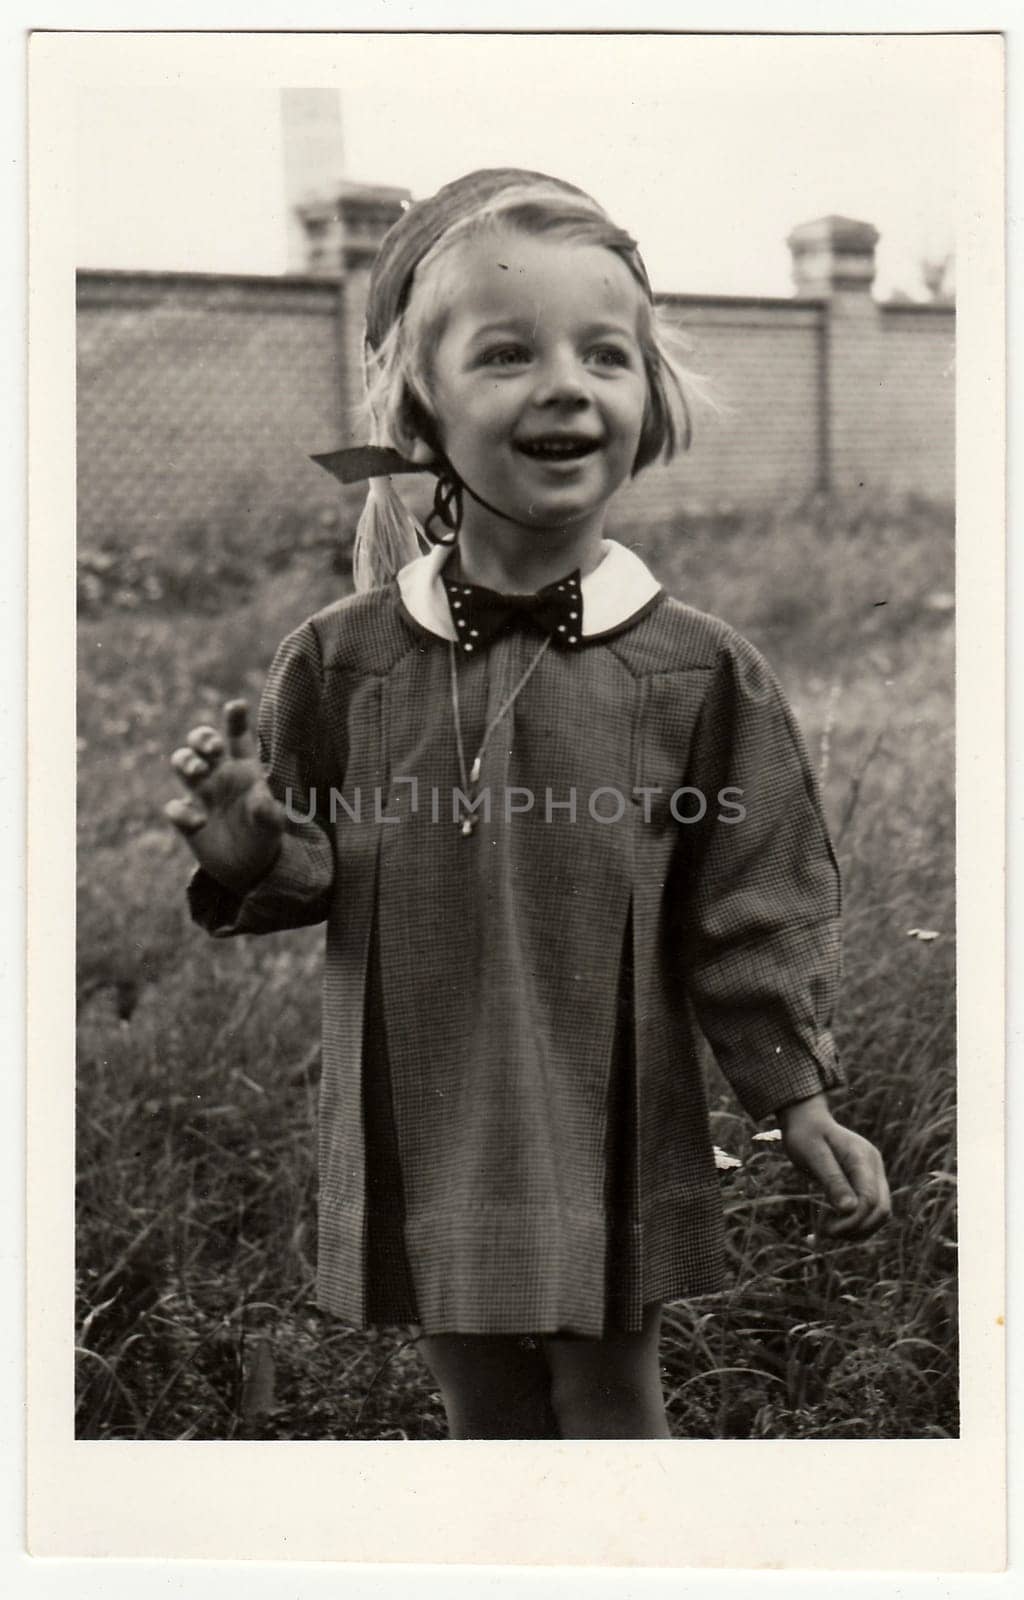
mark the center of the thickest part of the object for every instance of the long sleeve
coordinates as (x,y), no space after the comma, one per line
(761,908)
(296,890)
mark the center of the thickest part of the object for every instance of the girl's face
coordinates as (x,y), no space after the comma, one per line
(538,378)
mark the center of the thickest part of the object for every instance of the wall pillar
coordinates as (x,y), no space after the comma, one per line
(834,262)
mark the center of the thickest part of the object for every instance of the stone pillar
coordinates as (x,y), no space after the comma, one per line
(832,256)
(344,226)
(834,262)
(343,232)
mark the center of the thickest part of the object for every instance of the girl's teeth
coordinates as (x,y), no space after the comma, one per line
(560,447)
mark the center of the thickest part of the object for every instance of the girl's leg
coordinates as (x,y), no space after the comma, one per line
(609,1388)
(494,1386)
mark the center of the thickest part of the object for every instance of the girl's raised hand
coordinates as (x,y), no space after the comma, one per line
(230,820)
(847,1166)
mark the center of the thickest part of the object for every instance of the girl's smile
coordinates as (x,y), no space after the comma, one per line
(539,382)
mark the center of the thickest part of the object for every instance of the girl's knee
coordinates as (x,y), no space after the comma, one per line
(492,1386)
(610,1387)
(589,1405)
(578,1390)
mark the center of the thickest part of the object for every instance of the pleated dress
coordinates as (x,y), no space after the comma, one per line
(391,1295)
(513,1126)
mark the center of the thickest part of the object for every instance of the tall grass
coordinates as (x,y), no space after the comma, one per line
(198,1060)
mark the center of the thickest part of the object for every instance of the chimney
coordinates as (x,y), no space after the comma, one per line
(834,257)
(313,157)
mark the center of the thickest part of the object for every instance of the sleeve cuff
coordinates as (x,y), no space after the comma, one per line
(283,898)
(784,1074)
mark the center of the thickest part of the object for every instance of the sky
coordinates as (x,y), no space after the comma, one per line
(708,149)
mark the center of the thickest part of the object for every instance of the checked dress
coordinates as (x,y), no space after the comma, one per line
(513,1130)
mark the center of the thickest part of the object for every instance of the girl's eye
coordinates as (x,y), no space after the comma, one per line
(610,355)
(506,355)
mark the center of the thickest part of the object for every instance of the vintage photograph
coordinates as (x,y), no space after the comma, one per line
(516,919)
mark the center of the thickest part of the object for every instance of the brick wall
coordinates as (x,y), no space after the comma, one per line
(913,447)
(762,363)
(201,397)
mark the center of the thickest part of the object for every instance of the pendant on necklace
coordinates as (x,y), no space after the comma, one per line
(474,771)
(468,824)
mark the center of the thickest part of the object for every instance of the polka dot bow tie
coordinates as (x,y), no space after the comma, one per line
(480,615)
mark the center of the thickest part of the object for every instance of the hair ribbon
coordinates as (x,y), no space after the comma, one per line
(368,461)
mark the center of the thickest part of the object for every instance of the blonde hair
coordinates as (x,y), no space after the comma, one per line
(398,403)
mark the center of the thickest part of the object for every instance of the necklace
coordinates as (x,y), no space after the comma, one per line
(471,778)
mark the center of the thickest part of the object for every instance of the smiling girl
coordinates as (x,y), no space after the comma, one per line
(549,905)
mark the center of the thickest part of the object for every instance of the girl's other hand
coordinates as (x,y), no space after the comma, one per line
(230,820)
(848,1167)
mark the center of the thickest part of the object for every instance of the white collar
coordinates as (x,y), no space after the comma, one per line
(617,588)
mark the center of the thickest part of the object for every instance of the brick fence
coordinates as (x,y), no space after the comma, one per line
(201,397)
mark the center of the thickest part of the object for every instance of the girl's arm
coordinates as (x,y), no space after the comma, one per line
(295,890)
(760,908)
(763,935)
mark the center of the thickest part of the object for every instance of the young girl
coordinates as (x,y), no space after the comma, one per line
(559,825)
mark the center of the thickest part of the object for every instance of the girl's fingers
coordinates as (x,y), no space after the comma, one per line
(186,815)
(881,1210)
(236,722)
(863,1179)
(205,747)
(826,1169)
(851,1224)
(864,1168)
(206,742)
(190,766)
(873,1211)
(856,1227)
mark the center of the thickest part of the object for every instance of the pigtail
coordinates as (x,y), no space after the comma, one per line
(388,536)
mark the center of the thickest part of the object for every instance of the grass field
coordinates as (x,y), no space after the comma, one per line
(197,1059)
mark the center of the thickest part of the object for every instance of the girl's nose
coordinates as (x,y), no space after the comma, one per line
(561,381)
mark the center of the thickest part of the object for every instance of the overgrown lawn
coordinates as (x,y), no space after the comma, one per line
(198,1059)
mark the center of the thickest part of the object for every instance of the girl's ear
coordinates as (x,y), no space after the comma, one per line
(420,451)
(419,434)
